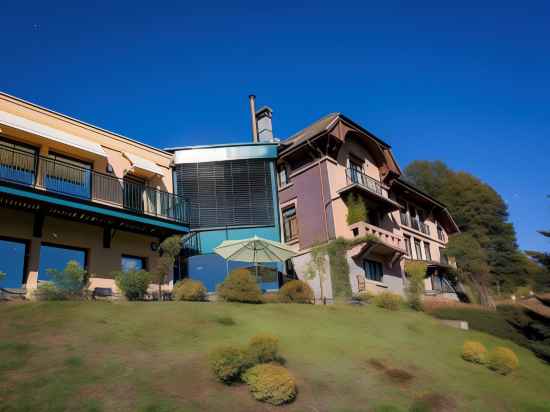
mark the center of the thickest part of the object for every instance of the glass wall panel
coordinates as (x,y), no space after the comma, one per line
(57,257)
(12,263)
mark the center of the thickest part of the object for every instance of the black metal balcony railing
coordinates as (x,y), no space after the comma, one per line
(355,176)
(414,223)
(56,176)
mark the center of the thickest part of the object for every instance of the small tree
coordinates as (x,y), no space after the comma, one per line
(357,210)
(416,273)
(170,249)
(316,267)
(71,281)
(2,275)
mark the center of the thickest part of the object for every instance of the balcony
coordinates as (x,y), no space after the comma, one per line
(371,188)
(45,174)
(389,244)
(414,224)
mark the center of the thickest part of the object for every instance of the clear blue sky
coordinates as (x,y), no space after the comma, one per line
(469,85)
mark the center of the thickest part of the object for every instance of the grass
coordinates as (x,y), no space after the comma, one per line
(102,356)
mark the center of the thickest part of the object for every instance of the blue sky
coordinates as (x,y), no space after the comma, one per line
(468,85)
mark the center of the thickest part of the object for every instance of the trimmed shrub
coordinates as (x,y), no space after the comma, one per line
(503,360)
(133,283)
(189,289)
(228,363)
(271,383)
(263,348)
(48,291)
(296,291)
(357,209)
(240,286)
(474,351)
(365,297)
(271,298)
(388,300)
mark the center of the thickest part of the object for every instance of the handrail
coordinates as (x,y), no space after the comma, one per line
(53,175)
(357,177)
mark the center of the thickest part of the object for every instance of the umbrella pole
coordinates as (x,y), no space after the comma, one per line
(226,267)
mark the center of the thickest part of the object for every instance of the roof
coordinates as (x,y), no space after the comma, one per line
(324,124)
(74,119)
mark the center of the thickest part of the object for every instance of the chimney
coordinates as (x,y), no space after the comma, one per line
(252,100)
(265,128)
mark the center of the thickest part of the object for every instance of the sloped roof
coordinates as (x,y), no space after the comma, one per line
(312,130)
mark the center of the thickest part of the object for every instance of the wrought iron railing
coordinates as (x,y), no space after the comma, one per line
(54,175)
(357,177)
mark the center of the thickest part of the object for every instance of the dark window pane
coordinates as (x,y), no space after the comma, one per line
(55,257)
(12,263)
(373,270)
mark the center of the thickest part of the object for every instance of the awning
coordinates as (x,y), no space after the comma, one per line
(143,165)
(50,133)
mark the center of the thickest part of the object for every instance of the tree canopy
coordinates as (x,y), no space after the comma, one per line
(480,212)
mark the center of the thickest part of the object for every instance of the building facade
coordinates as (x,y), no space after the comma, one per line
(334,161)
(72,191)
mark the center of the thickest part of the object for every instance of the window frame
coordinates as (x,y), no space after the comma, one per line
(27,244)
(366,271)
(282,170)
(293,236)
(127,256)
(427,251)
(408,245)
(417,248)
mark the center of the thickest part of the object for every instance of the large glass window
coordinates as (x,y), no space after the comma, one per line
(57,257)
(128,263)
(440,233)
(427,252)
(356,171)
(418,249)
(68,176)
(373,270)
(12,263)
(290,224)
(408,245)
(17,162)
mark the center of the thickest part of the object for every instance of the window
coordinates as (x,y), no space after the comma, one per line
(290,224)
(283,177)
(373,217)
(427,253)
(12,262)
(356,171)
(408,246)
(373,270)
(67,176)
(128,263)
(440,233)
(57,257)
(17,162)
(418,249)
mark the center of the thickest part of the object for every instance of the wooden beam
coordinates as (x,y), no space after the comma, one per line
(107,237)
(38,223)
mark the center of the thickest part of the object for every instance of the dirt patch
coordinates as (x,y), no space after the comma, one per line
(399,375)
(434,402)
(377,364)
(396,375)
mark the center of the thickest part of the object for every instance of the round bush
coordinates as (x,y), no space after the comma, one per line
(228,363)
(189,289)
(133,283)
(503,360)
(263,348)
(296,291)
(271,383)
(474,351)
(240,286)
(388,300)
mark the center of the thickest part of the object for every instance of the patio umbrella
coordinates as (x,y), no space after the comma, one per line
(255,250)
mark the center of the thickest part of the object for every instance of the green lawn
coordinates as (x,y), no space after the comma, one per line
(101,356)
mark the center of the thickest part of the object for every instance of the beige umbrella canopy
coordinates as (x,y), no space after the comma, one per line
(255,250)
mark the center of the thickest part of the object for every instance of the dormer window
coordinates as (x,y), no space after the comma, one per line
(283,176)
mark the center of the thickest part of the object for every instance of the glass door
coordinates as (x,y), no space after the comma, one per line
(12,263)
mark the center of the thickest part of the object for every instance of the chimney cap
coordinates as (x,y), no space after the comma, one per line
(264,111)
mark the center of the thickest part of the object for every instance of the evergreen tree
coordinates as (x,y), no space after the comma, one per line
(480,212)
(541,277)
